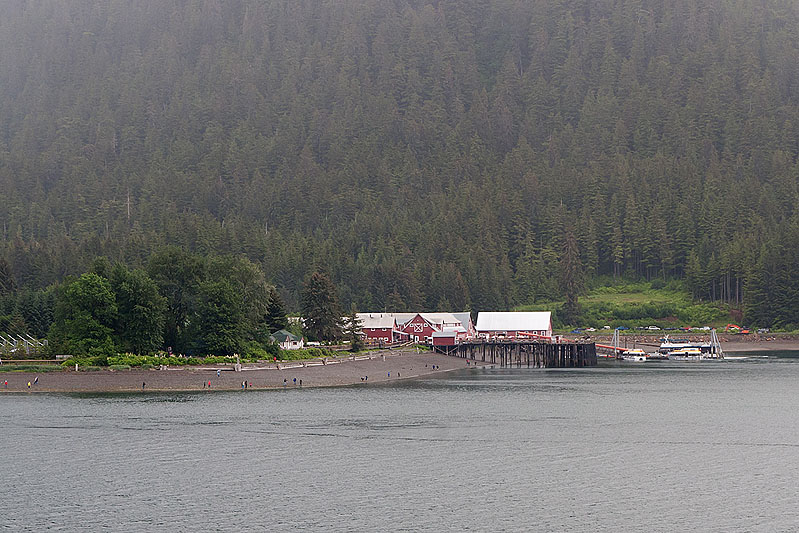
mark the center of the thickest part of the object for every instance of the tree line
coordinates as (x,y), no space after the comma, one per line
(426,154)
(181,303)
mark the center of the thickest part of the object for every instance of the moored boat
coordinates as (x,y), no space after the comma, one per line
(686,354)
(635,355)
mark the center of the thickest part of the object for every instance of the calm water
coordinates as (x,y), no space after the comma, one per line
(648,447)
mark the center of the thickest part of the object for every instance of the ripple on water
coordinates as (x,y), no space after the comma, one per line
(711,448)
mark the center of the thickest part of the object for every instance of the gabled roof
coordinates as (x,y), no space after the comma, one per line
(514,321)
(440,318)
(465,319)
(450,332)
(282,335)
(403,318)
(376,320)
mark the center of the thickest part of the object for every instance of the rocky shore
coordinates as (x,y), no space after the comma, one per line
(376,367)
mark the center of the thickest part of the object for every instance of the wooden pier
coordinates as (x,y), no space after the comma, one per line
(527,353)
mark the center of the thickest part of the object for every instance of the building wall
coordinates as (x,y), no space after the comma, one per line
(444,341)
(419,328)
(515,334)
(379,334)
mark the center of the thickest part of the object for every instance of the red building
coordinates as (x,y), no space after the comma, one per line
(420,329)
(380,327)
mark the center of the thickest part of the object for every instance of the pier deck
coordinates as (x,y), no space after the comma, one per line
(527,353)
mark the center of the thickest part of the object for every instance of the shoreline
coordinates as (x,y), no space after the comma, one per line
(382,367)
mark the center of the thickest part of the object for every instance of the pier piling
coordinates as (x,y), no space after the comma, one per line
(533,354)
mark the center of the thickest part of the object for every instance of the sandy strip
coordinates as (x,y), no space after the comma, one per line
(400,365)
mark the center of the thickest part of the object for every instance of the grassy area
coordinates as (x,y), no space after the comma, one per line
(11,367)
(639,304)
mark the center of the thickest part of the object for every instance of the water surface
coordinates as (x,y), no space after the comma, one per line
(645,447)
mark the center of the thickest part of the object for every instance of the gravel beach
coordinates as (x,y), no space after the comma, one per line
(377,367)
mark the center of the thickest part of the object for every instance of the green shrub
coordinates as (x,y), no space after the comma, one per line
(29,368)
(306,353)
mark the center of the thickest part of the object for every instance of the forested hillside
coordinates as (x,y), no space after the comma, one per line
(426,154)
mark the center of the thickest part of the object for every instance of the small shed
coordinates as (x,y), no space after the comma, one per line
(287,340)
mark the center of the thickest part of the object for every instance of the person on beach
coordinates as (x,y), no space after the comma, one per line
(29,384)
(300,383)
(295,381)
(143,385)
(285,382)
(218,372)
(6,383)
(36,381)
(209,383)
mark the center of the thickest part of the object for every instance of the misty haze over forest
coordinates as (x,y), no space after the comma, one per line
(428,155)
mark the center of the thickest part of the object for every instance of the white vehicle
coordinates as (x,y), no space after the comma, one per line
(653,328)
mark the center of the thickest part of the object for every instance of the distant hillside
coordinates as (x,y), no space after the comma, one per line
(427,154)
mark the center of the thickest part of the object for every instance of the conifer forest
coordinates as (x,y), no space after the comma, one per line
(437,155)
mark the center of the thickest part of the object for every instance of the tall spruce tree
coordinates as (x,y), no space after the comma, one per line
(353,330)
(276,316)
(571,278)
(320,309)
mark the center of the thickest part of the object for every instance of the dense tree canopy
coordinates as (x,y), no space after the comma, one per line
(426,153)
(320,310)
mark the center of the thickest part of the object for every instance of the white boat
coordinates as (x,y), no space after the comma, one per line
(672,345)
(635,355)
(690,350)
(686,354)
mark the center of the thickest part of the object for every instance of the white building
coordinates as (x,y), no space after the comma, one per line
(511,324)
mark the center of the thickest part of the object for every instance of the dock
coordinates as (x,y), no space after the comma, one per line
(526,353)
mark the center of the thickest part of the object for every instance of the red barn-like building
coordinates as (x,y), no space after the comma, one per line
(380,327)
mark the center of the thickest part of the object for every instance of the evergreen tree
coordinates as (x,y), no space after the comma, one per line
(7,284)
(353,330)
(276,315)
(571,281)
(320,309)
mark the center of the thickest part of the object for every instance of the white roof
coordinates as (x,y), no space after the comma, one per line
(465,318)
(376,320)
(514,321)
(448,319)
(441,318)
(403,318)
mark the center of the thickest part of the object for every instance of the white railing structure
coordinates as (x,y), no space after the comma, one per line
(715,345)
